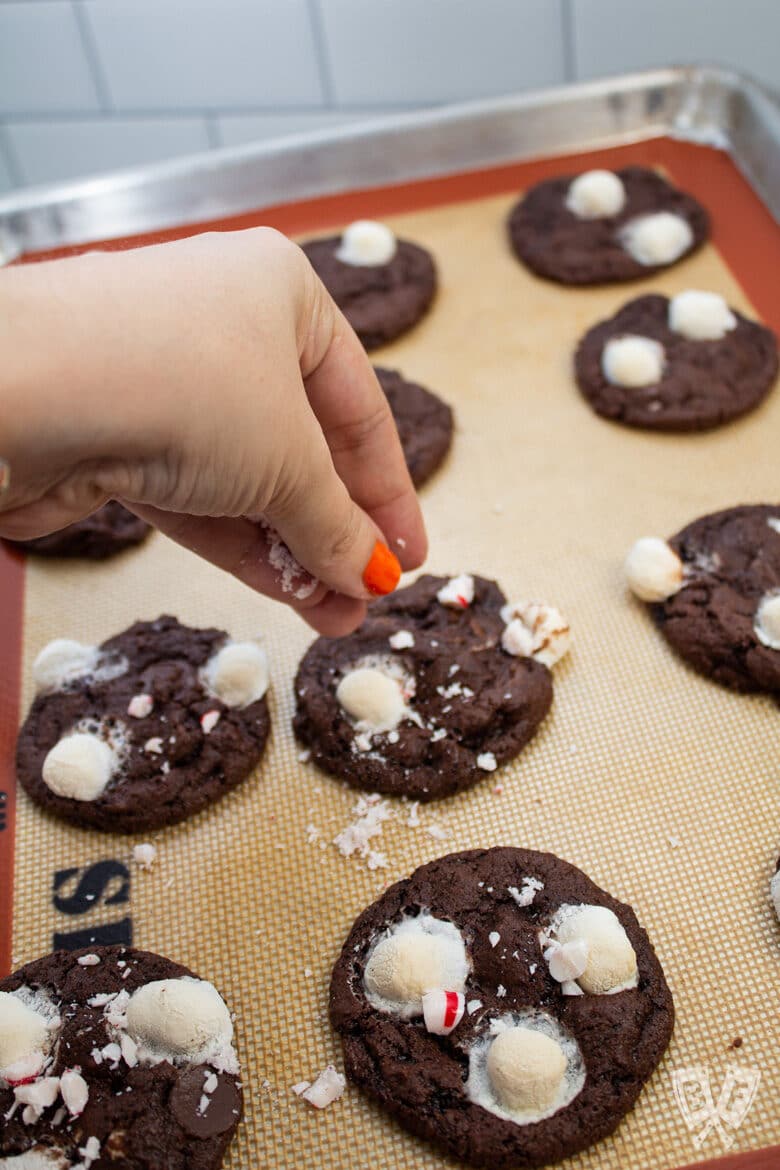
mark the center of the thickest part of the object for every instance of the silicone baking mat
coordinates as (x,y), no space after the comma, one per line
(663,787)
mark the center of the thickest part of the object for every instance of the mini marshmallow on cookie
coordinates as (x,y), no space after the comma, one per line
(653,569)
(700,316)
(38,1158)
(633,361)
(62,661)
(237,674)
(181,1019)
(766,625)
(367,244)
(25,1037)
(417,956)
(535,630)
(658,238)
(596,195)
(80,766)
(610,964)
(526,1069)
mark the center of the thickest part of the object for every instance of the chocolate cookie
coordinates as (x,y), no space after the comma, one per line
(442,683)
(715,594)
(106,532)
(685,364)
(501,1005)
(596,228)
(116,1057)
(380,299)
(146,729)
(424,423)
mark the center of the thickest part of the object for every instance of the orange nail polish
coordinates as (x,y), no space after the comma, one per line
(383,571)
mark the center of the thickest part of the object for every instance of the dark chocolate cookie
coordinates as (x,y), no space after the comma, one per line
(558,244)
(145,730)
(424,423)
(704,381)
(380,301)
(441,684)
(115,1057)
(718,600)
(501,1005)
(106,532)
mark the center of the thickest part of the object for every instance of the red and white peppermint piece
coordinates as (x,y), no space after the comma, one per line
(140,706)
(209,721)
(24,1071)
(74,1091)
(442,1010)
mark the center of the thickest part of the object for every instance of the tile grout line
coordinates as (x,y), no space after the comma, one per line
(8,154)
(89,45)
(569,48)
(321,51)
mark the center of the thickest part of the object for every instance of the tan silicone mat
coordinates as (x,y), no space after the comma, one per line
(663,787)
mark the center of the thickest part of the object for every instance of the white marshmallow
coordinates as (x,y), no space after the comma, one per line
(442,1011)
(700,316)
(74,1091)
(24,1032)
(633,361)
(766,626)
(367,244)
(526,1069)
(373,698)
(38,1158)
(659,238)
(535,630)
(179,1018)
(61,661)
(611,960)
(774,892)
(458,593)
(237,674)
(79,766)
(596,194)
(327,1088)
(653,569)
(418,955)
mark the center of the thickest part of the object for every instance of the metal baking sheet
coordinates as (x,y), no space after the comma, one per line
(696,103)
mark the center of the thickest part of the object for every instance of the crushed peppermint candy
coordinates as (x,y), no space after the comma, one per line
(370,814)
(500,991)
(487,762)
(36,1097)
(494,938)
(473,1006)
(439,733)
(304,756)
(74,1091)
(437,832)
(567,961)
(89,1152)
(327,1088)
(401,640)
(154,746)
(144,855)
(140,706)
(209,721)
(413,819)
(300,1087)
(289,569)
(529,889)
(88,960)
(458,593)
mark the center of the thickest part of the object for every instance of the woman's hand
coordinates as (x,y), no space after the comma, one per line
(213,386)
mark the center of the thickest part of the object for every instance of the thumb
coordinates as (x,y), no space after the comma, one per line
(326,531)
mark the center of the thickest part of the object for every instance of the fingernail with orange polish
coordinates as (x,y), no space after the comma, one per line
(383,571)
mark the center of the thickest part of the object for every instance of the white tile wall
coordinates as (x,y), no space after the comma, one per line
(49,151)
(441,50)
(201,53)
(90,85)
(43,66)
(638,34)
